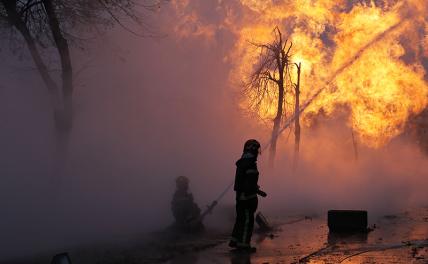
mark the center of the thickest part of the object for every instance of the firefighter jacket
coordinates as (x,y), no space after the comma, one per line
(246,177)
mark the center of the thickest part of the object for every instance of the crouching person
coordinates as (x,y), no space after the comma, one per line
(186,212)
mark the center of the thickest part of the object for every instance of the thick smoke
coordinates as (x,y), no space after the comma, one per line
(149,110)
(331,176)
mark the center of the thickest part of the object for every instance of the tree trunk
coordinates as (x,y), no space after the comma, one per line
(354,144)
(272,150)
(297,120)
(16,21)
(64,117)
(61,104)
(277,122)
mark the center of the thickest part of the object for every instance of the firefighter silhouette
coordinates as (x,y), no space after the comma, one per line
(246,189)
(186,212)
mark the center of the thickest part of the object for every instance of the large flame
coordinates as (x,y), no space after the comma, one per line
(367,56)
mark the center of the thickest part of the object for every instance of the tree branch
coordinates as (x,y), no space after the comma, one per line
(119,22)
(28,6)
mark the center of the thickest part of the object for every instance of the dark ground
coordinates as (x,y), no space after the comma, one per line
(398,238)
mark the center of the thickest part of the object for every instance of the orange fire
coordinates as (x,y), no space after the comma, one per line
(366,57)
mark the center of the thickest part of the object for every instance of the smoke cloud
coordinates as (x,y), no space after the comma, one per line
(149,110)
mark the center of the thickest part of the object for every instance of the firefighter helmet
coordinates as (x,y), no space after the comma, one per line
(182,181)
(252,146)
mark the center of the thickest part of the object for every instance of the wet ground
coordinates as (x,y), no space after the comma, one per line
(399,238)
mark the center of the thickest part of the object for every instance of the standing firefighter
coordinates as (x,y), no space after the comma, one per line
(246,189)
(186,212)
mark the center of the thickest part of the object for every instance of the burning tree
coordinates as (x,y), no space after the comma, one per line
(46,24)
(269,83)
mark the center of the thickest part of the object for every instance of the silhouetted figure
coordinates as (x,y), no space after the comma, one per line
(246,189)
(186,212)
(62,258)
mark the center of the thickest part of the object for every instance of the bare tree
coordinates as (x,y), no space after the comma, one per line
(270,80)
(49,28)
(56,23)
